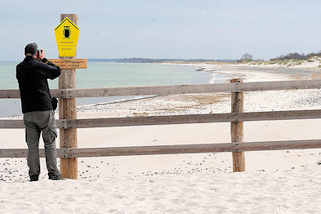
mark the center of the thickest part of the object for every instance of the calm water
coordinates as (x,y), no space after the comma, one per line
(106,74)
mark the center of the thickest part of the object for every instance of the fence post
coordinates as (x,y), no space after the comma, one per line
(237,129)
(67,110)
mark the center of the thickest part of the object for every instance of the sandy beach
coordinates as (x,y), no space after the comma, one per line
(274,182)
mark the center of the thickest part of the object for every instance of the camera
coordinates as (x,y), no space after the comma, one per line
(39,52)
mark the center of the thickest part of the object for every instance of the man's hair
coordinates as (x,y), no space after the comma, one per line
(31,49)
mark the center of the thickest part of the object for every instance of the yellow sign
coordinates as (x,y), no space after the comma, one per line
(67,34)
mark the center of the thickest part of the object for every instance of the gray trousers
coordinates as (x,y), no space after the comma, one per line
(36,123)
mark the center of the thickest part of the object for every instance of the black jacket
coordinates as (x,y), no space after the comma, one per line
(32,75)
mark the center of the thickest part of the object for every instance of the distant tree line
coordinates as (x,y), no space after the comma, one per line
(245,58)
(297,56)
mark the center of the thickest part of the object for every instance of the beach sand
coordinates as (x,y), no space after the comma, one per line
(274,181)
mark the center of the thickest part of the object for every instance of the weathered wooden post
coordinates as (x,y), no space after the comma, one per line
(67,36)
(67,111)
(237,129)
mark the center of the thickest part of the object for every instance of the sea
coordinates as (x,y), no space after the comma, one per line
(110,74)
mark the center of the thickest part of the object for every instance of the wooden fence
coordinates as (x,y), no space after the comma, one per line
(236,117)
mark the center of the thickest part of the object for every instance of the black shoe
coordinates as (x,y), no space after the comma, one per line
(34,178)
(55,177)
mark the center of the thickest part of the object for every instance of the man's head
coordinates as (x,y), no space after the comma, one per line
(31,49)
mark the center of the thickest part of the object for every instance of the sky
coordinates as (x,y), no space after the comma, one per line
(211,29)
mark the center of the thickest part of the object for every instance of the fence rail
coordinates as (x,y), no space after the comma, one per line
(175,119)
(171,149)
(176,89)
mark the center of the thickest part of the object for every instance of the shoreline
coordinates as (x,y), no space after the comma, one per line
(197,103)
(226,72)
(181,75)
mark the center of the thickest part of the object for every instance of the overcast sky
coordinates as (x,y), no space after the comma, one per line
(216,29)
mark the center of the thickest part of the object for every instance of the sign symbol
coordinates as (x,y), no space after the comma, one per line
(67,31)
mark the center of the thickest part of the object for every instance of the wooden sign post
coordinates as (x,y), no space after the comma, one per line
(237,129)
(67,106)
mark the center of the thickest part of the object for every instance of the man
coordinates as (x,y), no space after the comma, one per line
(37,108)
